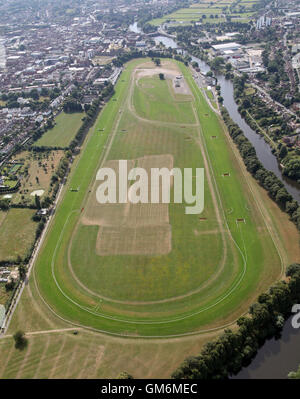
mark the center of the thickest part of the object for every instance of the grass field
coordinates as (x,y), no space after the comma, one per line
(65,129)
(4,295)
(215,269)
(209,12)
(154,100)
(17,232)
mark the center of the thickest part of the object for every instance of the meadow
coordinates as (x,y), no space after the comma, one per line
(210,12)
(65,129)
(17,233)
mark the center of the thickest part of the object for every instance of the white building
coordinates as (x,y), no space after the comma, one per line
(227,46)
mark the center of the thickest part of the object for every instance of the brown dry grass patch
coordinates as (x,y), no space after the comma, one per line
(140,240)
(132,229)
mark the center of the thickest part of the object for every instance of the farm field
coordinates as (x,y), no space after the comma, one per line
(210,12)
(204,275)
(65,129)
(17,232)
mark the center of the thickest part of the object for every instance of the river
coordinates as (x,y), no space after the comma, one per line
(277,357)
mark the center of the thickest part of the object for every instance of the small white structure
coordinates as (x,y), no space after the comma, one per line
(227,46)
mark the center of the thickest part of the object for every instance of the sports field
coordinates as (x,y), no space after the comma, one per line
(151,270)
(65,129)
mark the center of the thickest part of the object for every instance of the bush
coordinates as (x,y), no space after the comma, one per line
(10,285)
(20,340)
(124,376)
(292,269)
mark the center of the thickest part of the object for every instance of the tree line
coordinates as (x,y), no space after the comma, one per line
(265,178)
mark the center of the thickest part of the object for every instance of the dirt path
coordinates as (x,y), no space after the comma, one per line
(39,332)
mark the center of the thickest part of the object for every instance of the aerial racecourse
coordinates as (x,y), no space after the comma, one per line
(156,269)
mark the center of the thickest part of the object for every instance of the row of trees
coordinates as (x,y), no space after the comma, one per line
(154,54)
(91,115)
(71,105)
(266,179)
(7,189)
(231,351)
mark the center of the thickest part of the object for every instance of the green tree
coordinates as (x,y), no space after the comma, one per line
(292,168)
(217,63)
(10,285)
(283,152)
(20,340)
(294,374)
(292,269)
(282,196)
(125,376)
(157,61)
(246,103)
(4,205)
(22,272)
(37,202)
